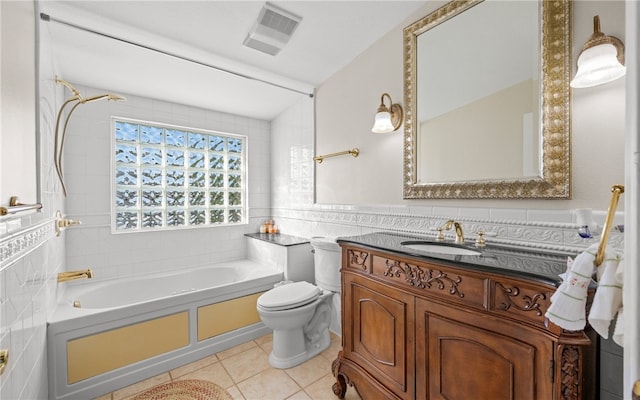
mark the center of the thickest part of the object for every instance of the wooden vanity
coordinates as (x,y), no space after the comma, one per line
(455,327)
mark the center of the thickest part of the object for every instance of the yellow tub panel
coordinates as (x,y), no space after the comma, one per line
(102,352)
(226,316)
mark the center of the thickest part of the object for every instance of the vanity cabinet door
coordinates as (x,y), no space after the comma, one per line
(378,329)
(458,358)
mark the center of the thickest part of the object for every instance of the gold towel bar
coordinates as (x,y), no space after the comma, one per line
(616,191)
(354,152)
(15,207)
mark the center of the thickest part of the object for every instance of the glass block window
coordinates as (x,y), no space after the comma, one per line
(168,177)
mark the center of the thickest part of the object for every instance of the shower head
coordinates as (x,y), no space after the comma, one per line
(115,97)
(108,96)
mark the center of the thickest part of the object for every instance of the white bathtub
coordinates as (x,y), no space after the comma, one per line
(124,293)
(155,306)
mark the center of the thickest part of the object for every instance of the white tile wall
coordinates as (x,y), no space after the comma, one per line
(296,213)
(87,169)
(30,257)
(25,288)
(281,183)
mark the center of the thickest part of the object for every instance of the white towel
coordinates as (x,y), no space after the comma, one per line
(568,303)
(618,332)
(608,298)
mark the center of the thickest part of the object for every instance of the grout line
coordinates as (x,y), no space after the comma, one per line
(236,384)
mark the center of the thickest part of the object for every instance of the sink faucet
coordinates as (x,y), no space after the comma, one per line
(458,228)
(72,275)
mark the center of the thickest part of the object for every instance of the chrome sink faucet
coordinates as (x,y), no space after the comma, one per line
(447,226)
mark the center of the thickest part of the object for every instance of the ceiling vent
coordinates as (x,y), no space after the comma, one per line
(272,30)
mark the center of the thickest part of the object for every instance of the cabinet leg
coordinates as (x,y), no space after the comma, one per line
(340,387)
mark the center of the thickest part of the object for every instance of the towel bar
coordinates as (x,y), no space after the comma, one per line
(354,152)
(616,190)
(15,207)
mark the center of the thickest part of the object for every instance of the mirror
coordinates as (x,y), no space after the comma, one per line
(487,101)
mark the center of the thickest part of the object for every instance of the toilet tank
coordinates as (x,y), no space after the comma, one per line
(290,255)
(327,260)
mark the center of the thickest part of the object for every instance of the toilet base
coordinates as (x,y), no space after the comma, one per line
(291,349)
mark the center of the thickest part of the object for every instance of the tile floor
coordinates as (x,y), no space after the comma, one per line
(245,372)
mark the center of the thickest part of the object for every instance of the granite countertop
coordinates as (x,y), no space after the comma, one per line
(278,238)
(540,265)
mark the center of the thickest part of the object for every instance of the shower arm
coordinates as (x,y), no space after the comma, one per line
(59,139)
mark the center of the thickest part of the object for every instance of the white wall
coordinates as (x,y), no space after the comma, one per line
(631,296)
(30,254)
(346,104)
(355,195)
(87,171)
(17,87)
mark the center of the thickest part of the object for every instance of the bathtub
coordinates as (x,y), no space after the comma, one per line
(107,335)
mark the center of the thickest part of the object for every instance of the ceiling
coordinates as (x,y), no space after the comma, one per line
(149,41)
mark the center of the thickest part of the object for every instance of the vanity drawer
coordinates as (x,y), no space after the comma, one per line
(519,300)
(432,280)
(508,297)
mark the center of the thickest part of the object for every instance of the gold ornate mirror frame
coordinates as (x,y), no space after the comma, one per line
(555,71)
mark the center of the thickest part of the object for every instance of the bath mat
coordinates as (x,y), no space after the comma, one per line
(192,389)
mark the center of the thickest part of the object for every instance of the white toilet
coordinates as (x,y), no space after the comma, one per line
(300,313)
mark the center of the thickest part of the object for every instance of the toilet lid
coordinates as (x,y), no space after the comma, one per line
(289,296)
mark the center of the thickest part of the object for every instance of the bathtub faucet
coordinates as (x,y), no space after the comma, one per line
(72,275)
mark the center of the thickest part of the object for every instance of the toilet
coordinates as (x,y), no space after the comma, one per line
(300,313)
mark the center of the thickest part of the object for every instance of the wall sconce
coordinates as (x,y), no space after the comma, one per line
(58,139)
(601,59)
(387,119)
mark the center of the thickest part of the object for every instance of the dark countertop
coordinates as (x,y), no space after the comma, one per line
(535,264)
(278,238)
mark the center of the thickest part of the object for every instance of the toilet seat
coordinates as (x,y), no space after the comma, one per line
(289,296)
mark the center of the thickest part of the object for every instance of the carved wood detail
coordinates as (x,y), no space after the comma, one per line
(423,278)
(570,373)
(498,310)
(530,302)
(340,387)
(358,258)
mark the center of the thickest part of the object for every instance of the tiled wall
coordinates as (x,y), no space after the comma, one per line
(30,257)
(87,166)
(296,213)
(27,290)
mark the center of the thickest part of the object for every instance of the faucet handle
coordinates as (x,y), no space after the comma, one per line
(480,242)
(64,222)
(440,237)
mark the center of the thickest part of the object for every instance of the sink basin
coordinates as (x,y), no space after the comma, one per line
(440,248)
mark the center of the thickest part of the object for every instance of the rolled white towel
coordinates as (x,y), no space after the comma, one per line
(608,297)
(568,303)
